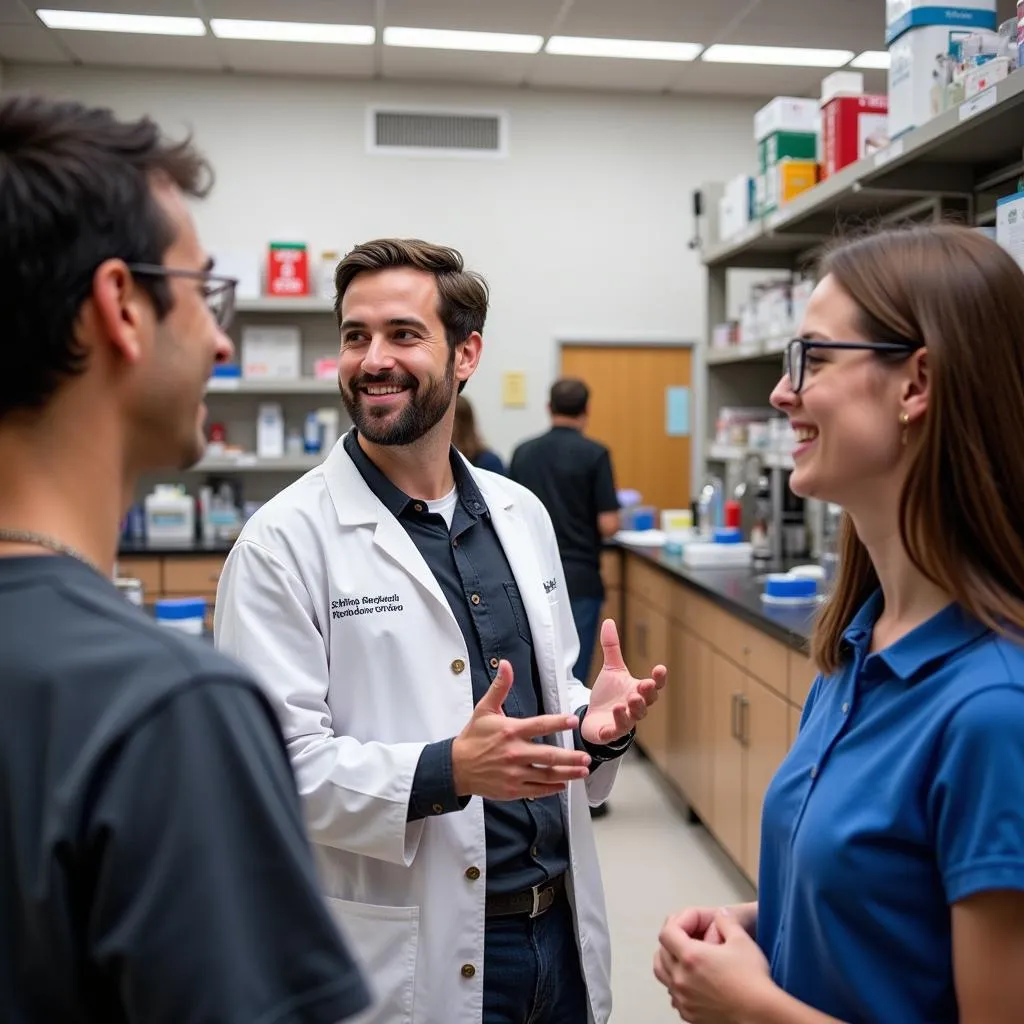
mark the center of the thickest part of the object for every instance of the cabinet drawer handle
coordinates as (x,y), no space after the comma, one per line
(744,721)
(734,726)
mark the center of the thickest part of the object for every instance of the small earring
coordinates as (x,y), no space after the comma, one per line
(905,423)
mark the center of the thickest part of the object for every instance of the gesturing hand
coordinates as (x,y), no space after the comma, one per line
(496,757)
(617,700)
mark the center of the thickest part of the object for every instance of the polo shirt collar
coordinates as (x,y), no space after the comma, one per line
(394,499)
(938,638)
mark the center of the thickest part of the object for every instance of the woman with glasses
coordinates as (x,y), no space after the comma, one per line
(892,848)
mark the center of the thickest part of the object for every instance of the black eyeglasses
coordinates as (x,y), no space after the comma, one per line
(795,356)
(218,291)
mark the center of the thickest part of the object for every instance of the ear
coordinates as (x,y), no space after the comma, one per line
(914,390)
(467,356)
(119,310)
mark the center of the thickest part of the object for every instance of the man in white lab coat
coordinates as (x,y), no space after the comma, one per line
(409,619)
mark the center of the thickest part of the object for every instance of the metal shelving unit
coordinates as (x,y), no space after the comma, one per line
(956,165)
(254,464)
(299,386)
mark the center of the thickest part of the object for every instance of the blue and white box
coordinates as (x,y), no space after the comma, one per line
(921,36)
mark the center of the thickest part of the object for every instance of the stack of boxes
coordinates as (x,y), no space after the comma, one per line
(786,132)
(924,40)
(853,125)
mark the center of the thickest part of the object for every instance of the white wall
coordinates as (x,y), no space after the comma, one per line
(581,232)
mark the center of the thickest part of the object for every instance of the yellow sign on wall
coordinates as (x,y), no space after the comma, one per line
(513,390)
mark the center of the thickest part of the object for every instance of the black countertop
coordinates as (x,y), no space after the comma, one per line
(737,591)
(136,548)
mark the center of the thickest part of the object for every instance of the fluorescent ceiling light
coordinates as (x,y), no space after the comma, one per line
(875,60)
(293,31)
(141,24)
(783,56)
(443,39)
(637,49)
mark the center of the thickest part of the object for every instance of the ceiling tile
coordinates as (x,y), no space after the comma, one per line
(687,21)
(30,44)
(746,80)
(595,73)
(142,51)
(803,15)
(176,8)
(297,58)
(14,13)
(335,12)
(454,65)
(816,35)
(532,17)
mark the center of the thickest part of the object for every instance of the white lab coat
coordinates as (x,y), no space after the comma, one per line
(328,600)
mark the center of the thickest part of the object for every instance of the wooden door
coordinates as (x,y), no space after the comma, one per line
(764,725)
(728,813)
(629,398)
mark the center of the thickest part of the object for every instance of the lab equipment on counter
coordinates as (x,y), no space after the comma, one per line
(170,515)
(185,614)
(724,549)
(790,589)
(710,512)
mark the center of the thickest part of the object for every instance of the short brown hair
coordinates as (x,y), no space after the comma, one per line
(462,294)
(962,296)
(569,397)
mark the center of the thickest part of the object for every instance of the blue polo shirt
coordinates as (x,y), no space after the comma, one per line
(902,795)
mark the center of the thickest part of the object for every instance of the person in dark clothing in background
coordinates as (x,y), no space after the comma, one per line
(154,867)
(468,441)
(572,476)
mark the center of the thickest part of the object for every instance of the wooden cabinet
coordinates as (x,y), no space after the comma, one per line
(764,735)
(730,710)
(175,575)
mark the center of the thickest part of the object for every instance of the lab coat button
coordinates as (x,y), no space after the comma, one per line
(472,873)
(468,971)
(458,666)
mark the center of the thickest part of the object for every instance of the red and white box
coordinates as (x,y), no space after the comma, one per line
(851,128)
(287,269)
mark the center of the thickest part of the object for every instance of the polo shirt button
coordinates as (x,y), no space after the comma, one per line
(814,772)
(494,662)
(846,708)
(438,809)
(458,666)
(534,851)
(472,873)
(468,971)
(475,599)
(455,542)
(418,507)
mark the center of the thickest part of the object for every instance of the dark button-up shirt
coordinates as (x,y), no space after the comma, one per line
(526,839)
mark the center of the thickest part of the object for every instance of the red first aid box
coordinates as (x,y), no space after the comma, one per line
(852,127)
(287,269)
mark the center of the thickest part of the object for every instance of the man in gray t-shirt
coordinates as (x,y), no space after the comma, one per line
(153,864)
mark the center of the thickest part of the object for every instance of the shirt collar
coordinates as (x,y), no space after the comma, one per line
(394,499)
(938,638)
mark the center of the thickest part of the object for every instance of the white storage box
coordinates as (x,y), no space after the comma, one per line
(842,83)
(786,114)
(709,555)
(271,353)
(920,36)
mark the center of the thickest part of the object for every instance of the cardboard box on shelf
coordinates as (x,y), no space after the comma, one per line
(786,180)
(922,38)
(287,269)
(852,127)
(782,145)
(736,209)
(786,114)
(984,76)
(841,83)
(271,352)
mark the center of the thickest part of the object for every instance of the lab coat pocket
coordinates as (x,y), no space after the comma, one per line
(384,941)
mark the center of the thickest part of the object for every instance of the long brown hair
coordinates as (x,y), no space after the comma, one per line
(961,509)
(465,436)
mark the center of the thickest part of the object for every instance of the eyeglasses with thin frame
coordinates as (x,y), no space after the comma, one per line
(795,356)
(219,291)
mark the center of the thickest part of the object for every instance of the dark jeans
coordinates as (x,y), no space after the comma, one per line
(586,613)
(532,969)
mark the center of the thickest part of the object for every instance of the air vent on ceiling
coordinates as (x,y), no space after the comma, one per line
(406,132)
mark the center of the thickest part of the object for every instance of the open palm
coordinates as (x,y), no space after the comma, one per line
(618,701)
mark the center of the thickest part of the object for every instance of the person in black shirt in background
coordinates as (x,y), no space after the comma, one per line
(153,863)
(572,476)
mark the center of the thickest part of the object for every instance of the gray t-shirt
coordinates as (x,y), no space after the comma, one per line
(153,862)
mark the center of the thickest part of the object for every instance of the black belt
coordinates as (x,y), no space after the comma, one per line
(533,901)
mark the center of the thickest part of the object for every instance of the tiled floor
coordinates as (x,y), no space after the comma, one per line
(653,863)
